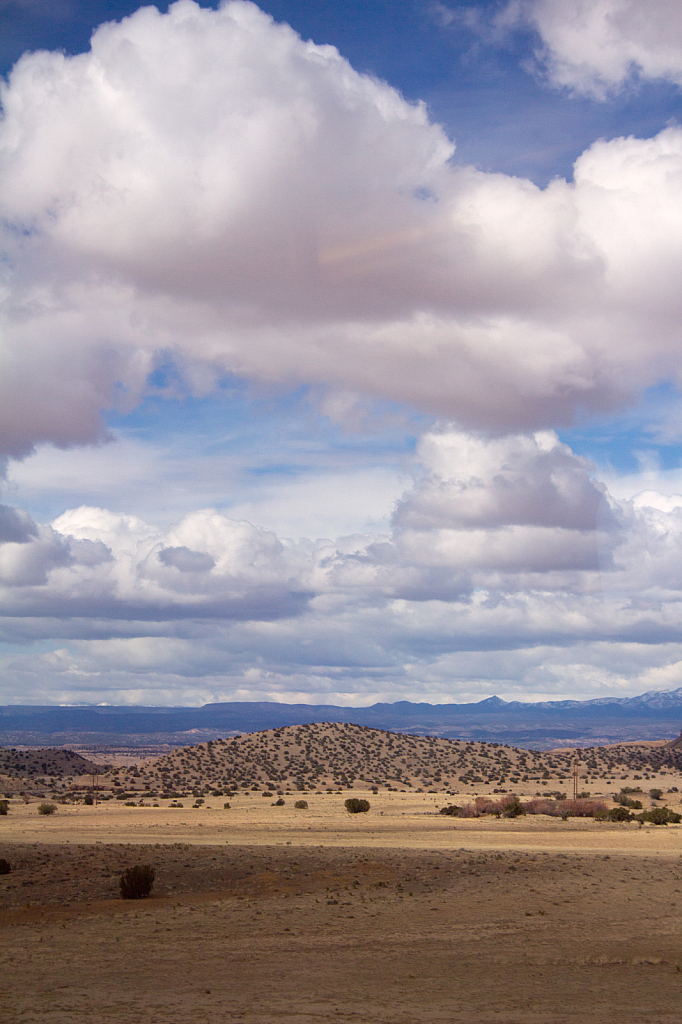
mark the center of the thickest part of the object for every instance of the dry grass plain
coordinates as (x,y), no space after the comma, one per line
(270,915)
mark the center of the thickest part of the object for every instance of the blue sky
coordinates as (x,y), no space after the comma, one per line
(303,403)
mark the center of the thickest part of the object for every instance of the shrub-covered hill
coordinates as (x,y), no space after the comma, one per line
(335,755)
(46,762)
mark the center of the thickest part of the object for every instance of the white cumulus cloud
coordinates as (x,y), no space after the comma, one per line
(205,185)
(597,47)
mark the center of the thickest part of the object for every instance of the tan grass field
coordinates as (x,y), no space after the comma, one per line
(268,914)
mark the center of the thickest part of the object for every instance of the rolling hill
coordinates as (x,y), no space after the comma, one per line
(343,756)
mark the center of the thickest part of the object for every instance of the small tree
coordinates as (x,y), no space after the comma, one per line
(137,882)
(356,806)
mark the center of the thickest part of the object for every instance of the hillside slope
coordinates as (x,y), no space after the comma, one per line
(342,756)
(28,764)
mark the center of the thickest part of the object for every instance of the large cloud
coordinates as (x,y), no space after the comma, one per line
(206,184)
(505,558)
(597,47)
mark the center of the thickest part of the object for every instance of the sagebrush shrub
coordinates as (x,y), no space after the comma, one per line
(301,805)
(136,882)
(5,866)
(356,806)
(47,808)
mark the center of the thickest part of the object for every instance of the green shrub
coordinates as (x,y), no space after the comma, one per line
(656,794)
(5,866)
(512,807)
(87,799)
(626,801)
(4,806)
(279,803)
(356,806)
(226,807)
(47,808)
(136,882)
(301,805)
(452,810)
(660,816)
(266,794)
(615,814)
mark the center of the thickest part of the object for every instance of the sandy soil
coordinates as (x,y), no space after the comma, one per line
(270,915)
(406,820)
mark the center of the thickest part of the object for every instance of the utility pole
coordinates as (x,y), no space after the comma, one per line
(575,779)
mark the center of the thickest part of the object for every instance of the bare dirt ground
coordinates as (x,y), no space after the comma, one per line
(270,915)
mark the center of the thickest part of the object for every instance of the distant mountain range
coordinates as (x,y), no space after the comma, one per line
(542,725)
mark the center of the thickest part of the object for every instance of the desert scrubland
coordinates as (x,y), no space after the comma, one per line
(267,913)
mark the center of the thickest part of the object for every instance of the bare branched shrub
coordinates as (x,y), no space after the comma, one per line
(468,811)
(566,808)
(507,806)
(136,882)
(47,808)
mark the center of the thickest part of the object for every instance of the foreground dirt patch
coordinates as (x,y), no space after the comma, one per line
(300,934)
